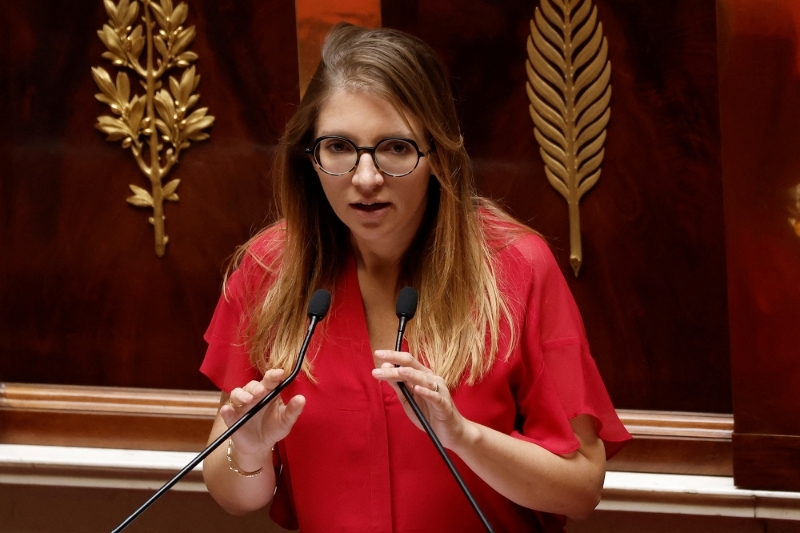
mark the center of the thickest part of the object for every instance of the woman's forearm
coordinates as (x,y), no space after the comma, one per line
(534,477)
(236,493)
(521,471)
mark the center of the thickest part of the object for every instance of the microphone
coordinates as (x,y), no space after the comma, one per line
(319,304)
(405,309)
(317,309)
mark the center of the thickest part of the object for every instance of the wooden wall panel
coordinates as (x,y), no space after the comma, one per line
(315,18)
(652,290)
(83,298)
(760,112)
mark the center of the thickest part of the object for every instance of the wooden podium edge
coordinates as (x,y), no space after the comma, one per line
(179,420)
(106,417)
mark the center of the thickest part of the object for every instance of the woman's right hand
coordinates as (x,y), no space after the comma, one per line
(255,439)
(252,445)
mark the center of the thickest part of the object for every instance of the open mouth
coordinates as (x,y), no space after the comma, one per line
(370,207)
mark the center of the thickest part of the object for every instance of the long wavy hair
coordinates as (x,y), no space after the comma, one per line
(450,261)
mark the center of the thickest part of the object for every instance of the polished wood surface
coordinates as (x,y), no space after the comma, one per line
(760,110)
(768,462)
(652,289)
(106,417)
(84,299)
(676,443)
(153,419)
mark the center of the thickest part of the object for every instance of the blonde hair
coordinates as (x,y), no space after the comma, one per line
(450,261)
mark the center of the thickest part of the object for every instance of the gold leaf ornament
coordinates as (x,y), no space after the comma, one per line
(140,198)
(157,125)
(569,91)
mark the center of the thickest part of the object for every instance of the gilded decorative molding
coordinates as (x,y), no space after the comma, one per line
(158,117)
(569,92)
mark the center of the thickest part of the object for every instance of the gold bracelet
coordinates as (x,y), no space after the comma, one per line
(235,467)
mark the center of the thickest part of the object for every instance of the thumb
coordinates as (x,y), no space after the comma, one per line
(291,412)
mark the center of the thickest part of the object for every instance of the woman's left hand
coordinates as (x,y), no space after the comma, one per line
(568,484)
(430,393)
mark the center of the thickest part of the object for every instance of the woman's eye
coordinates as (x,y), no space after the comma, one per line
(337,147)
(396,147)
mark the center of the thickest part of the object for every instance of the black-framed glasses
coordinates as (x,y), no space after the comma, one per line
(394,157)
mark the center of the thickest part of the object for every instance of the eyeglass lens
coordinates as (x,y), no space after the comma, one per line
(392,156)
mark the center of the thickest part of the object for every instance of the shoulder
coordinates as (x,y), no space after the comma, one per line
(266,247)
(515,248)
(263,252)
(258,261)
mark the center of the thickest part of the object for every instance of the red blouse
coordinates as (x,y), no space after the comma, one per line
(354,462)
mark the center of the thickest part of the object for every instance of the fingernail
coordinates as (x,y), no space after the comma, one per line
(377,372)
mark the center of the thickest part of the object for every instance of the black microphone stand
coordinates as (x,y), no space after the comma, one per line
(322,302)
(404,316)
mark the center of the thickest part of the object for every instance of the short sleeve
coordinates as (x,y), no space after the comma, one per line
(561,380)
(227,360)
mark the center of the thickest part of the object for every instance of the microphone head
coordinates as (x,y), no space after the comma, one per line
(407,302)
(319,304)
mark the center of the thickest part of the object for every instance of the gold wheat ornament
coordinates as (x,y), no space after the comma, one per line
(568,87)
(159,117)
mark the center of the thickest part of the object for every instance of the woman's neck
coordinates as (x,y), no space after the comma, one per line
(377,281)
(377,265)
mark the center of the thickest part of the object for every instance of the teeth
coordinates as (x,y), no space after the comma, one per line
(370,207)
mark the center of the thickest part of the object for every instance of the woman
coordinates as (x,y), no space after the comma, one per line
(374,192)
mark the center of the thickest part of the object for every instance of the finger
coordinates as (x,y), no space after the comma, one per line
(286,417)
(272,378)
(239,397)
(256,390)
(387,372)
(431,395)
(411,377)
(293,410)
(417,377)
(228,414)
(439,406)
(399,359)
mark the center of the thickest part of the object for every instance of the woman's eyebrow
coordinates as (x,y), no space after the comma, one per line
(349,135)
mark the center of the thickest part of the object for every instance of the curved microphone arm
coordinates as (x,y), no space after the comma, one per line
(317,309)
(406,308)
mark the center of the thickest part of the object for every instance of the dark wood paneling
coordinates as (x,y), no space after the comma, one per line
(83,298)
(760,104)
(760,111)
(769,462)
(652,290)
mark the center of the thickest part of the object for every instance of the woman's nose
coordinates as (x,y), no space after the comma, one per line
(367,176)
